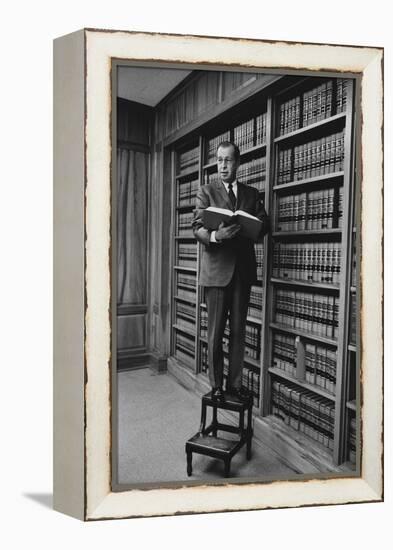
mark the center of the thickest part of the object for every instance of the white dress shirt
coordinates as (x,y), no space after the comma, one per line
(234,189)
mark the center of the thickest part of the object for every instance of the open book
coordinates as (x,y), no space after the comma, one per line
(250,225)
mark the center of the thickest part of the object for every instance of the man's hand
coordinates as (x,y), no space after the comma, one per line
(225,233)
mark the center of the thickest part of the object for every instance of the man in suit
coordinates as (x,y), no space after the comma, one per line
(228,268)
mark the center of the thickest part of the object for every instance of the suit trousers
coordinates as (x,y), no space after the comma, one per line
(232,299)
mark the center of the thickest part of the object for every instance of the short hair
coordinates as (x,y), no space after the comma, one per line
(231,144)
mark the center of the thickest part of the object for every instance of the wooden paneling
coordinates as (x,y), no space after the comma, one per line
(199,95)
(131,332)
(231,82)
(190,102)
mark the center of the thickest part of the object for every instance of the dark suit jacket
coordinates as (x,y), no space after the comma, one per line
(219,259)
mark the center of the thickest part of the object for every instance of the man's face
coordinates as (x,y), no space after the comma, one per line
(227,164)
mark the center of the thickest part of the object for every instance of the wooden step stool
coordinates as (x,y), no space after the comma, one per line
(206,441)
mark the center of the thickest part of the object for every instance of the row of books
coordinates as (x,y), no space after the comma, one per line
(308,312)
(243,135)
(318,262)
(289,117)
(253,173)
(259,255)
(313,105)
(203,323)
(250,380)
(252,333)
(186,295)
(310,211)
(312,159)
(261,125)
(284,353)
(185,324)
(254,310)
(341,95)
(186,311)
(204,357)
(255,302)
(352,439)
(186,192)
(184,221)
(212,145)
(184,347)
(318,103)
(304,411)
(321,366)
(320,362)
(187,282)
(211,177)
(253,341)
(188,161)
(187,254)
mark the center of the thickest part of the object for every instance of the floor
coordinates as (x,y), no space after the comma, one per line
(157,416)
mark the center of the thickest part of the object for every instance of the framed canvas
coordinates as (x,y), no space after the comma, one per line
(138,120)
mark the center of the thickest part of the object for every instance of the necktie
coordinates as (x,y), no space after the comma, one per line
(232,196)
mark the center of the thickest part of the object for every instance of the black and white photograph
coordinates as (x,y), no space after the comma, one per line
(235,237)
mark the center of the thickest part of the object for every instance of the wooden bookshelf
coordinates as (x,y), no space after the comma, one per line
(296,143)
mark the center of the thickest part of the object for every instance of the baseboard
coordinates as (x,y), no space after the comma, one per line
(132,361)
(158,362)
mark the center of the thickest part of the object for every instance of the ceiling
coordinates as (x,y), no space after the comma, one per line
(146,84)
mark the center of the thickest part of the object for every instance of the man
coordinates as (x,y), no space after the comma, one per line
(228,268)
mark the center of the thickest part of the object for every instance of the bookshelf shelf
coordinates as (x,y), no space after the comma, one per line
(184,175)
(249,360)
(306,335)
(183,329)
(311,387)
(253,150)
(296,282)
(323,180)
(253,362)
(254,320)
(308,232)
(187,300)
(185,207)
(352,347)
(210,166)
(311,128)
(181,268)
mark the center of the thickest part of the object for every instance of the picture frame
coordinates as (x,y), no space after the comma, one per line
(83,337)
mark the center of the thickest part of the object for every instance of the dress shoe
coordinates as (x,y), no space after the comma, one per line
(217,394)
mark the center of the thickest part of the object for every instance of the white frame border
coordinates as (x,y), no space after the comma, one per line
(101,47)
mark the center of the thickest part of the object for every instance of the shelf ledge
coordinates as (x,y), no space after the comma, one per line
(302,383)
(323,178)
(311,127)
(307,335)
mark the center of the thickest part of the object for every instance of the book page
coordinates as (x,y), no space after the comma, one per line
(221,210)
(246,214)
